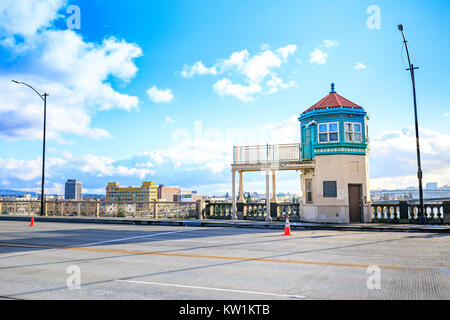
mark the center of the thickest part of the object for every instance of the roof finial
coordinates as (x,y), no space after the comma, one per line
(332,88)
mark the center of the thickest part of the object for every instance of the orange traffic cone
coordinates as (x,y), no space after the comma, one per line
(287,228)
(32,222)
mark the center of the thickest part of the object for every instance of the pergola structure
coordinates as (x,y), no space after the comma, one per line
(268,159)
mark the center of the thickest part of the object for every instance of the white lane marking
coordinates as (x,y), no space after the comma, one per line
(214,289)
(131,238)
(94,243)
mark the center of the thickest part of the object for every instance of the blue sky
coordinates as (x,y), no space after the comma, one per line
(222,72)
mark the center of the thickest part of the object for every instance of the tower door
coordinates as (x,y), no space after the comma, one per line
(307,144)
(354,201)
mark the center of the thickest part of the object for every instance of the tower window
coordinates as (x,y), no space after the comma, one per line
(329,189)
(308,184)
(328,132)
(353,132)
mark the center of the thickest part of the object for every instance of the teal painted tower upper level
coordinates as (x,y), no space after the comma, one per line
(334,125)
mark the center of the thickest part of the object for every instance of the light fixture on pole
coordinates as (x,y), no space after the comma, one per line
(411,69)
(44,98)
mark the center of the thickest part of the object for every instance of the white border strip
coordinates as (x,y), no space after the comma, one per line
(215,289)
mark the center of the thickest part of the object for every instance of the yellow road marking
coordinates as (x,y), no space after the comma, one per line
(203,256)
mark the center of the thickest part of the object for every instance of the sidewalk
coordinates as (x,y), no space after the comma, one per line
(240,224)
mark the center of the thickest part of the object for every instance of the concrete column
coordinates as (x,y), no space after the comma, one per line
(211,209)
(241,187)
(200,206)
(62,207)
(274,190)
(1,212)
(155,210)
(403,218)
(233,195)
(97,208)
(446,205)
(268,217)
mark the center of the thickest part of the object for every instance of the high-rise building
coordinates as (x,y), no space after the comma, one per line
(147,192)
(167,193)
(431,186)
(73,190)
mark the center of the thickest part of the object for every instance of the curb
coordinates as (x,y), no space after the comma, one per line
(237,224)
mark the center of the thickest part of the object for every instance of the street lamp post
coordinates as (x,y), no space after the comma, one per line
(44,98)
(419,167)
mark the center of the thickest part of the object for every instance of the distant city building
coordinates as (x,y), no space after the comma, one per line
(187,196)
(147,192)
(24,197)
(410,193)
(54,197)
(167,193)
(73,190)
(432,186)
(216,199)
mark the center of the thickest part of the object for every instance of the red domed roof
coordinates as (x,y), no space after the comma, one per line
(333,100)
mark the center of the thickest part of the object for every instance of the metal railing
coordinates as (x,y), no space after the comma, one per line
(269,153)
(124,209)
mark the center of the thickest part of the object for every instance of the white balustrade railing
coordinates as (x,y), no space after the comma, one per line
(268,153)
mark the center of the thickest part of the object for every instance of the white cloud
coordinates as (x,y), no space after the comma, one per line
(359,66)
(275,83)
(287,51)
(27,17)
(57,168)
(102,166)
(259,66)
(225,87)
(197,68)
(147,164)
(236,61)
(21,169)
(330,43)
(66,155)
(399,147)
(160,95)
(255,69)
(74,72)
(168,120)
(318,56)
(213,149)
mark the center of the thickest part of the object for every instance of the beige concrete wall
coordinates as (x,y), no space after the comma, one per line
(325,213)
(345,169)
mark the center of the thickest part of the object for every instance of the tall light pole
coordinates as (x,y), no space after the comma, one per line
(44,98)
(419,168)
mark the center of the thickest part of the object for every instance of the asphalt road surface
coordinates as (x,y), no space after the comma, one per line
(95,261)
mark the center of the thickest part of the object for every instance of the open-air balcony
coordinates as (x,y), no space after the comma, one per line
(292,156)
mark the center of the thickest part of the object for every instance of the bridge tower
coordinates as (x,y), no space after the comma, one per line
(334,135)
